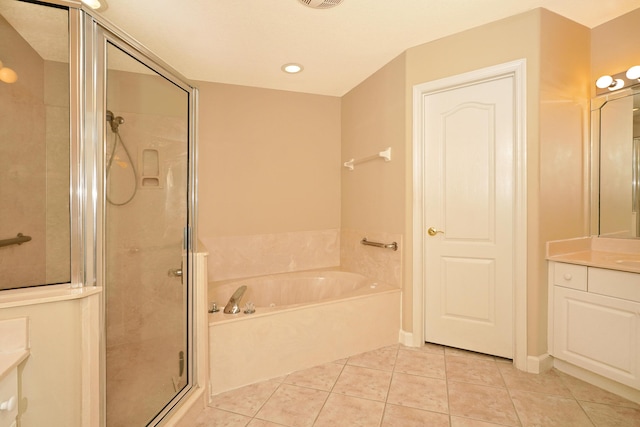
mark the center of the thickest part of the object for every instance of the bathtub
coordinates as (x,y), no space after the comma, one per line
(301,319)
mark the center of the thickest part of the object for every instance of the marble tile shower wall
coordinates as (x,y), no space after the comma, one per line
(234,257)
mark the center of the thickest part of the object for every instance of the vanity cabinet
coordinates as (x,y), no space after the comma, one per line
(594,317)
(8,398)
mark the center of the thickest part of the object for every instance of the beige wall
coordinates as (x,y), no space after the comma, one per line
(614,46)
(564,155)
(373,115)
(269,180)
(270,161)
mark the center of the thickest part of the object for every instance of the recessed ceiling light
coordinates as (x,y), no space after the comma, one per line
(99,5)
(292,68)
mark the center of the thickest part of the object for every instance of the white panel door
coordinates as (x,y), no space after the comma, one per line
(469,209)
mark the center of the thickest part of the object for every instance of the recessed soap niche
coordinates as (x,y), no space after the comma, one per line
(150,168)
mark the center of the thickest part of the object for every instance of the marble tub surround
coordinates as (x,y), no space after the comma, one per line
(384,265)
(232,257)
(14,343)
(602,252)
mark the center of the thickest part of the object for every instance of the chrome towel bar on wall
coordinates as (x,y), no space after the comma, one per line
(18,240)
(392,245)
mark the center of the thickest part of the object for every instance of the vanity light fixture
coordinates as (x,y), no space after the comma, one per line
(608,82)
(7,75)
(292,68)
(618,81)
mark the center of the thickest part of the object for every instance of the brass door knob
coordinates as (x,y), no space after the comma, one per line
(432,231)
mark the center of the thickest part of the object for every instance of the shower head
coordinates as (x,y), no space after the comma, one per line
(114,121)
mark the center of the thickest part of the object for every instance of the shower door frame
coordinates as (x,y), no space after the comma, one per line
(95,35)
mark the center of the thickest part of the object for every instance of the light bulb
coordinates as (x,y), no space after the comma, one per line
(617,84)
(633,73)
(604,82)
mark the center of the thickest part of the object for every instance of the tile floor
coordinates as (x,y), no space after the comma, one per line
(428,386)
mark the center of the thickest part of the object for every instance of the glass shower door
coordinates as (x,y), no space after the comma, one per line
(146,176)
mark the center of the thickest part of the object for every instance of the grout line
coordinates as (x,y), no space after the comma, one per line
(510,396)
(446,383)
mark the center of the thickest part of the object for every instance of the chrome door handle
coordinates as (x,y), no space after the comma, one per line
(432,231)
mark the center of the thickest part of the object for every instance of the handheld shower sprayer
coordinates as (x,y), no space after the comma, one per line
(114,121)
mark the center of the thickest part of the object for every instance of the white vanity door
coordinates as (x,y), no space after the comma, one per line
(598,333)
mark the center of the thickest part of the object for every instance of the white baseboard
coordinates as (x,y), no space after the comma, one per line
(539,364)
(406,338)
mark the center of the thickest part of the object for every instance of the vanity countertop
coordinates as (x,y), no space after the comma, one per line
(613,254)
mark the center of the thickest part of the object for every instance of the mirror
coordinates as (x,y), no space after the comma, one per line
(616,164)
(34,145)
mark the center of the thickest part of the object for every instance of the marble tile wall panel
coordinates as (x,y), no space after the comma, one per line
(234,257)
(381,264)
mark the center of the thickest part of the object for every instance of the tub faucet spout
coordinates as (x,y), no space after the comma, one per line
(232,306)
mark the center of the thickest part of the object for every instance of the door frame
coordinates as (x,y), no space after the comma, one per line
(517,70)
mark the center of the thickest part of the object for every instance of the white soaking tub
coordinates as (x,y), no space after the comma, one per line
(301,319)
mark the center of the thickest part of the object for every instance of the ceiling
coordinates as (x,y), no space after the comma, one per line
(246,42)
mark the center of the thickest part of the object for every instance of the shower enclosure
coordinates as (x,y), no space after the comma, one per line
(121,136)
(146,164)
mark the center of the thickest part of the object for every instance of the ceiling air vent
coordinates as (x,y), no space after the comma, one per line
(320,4)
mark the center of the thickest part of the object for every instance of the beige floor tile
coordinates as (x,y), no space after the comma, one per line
(450,351)
(245,400)
(427,347)
(418,392)
(536,409)
(212,417)
(420,363)
(612,416)
(383,359)
(363,382)
(474,371)
(321,377)
(547,382)
(402,416)
(262,423)
(293,406)
(483,403)
(468,422)
(586,392)
(349,411)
